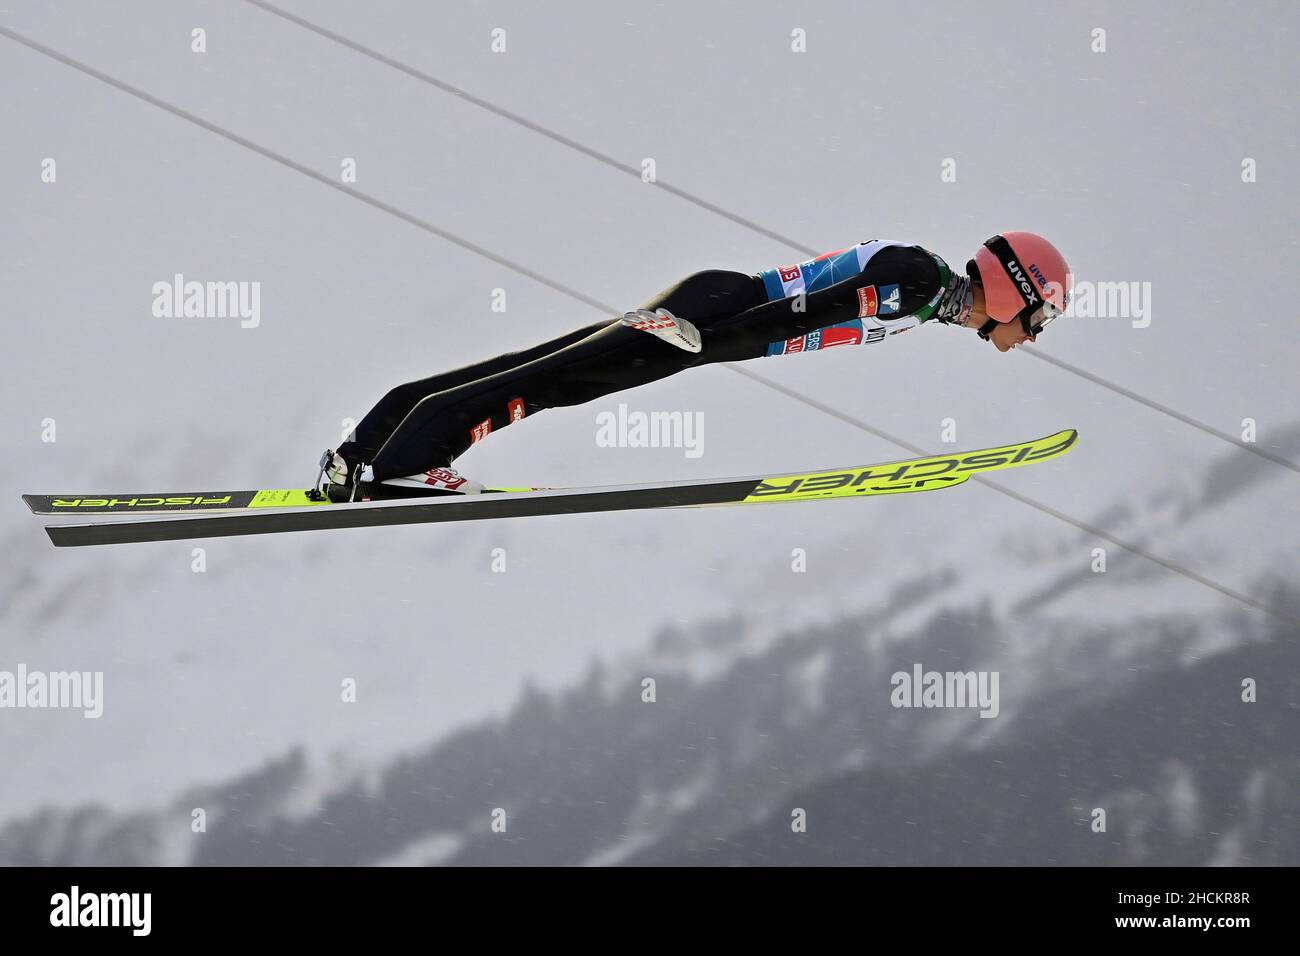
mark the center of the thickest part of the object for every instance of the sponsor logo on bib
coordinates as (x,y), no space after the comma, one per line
(868,301)
(891,300)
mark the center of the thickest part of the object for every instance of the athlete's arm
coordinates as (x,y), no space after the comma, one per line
(895,282)
(856,295)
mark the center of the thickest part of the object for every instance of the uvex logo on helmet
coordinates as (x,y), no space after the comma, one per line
(1026,287)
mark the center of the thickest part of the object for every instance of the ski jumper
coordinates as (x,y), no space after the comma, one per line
(857,296)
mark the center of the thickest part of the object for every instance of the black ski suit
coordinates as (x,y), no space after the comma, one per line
(861,294)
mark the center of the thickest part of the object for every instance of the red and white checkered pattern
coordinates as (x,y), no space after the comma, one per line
(666,326)
(649,325)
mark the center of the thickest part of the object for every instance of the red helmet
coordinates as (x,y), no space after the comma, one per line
(1024,277)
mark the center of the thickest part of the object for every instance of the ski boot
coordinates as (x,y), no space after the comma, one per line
(342,481)
(436,481)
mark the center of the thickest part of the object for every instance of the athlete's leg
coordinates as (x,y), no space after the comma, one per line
(709,294)
(441,426)
(378,424)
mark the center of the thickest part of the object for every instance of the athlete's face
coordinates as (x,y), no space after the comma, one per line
(1005,335)
(1008,335)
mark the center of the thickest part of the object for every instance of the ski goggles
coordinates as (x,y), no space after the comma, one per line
(1040,318)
